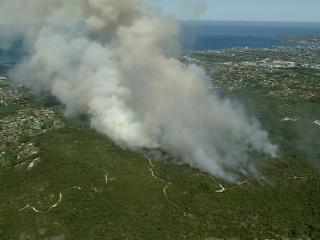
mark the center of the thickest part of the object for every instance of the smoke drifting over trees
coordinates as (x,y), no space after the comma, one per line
(110,59)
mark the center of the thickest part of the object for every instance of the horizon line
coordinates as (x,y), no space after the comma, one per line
(248,21)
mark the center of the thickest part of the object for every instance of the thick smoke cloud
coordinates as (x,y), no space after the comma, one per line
(110,59)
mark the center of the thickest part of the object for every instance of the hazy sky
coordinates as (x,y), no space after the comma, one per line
(252,10)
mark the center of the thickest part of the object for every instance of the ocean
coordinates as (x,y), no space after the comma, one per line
(215,35)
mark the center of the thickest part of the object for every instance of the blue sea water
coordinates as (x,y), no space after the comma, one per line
(214,35)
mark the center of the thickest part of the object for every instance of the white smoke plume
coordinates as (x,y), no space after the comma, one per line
(110,59)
